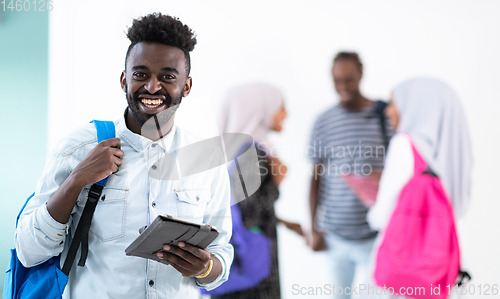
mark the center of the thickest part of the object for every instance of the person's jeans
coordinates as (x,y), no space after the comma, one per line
(345,256)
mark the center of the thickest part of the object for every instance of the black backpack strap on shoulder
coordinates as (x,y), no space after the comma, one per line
(82,231)
(105,130)
(429,171)
(378,110)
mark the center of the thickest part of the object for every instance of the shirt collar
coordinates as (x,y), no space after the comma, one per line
(139,142)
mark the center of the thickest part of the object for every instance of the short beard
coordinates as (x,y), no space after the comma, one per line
(162,117)
(353,103)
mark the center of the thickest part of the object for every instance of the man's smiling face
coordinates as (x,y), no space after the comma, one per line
(155,80)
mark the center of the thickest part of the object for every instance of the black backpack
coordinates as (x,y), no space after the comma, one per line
(378,112)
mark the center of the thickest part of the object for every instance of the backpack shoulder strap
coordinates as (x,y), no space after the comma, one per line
(420,165)
(105,130)
(378,109)
(24,206)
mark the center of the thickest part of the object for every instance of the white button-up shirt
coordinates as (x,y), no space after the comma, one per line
(132,198)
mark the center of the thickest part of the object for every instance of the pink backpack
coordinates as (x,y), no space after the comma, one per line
(419,256)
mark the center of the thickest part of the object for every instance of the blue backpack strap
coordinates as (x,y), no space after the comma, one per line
(105,130)
(43,280)
(24,206)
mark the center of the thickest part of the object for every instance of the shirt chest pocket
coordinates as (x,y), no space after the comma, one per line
(191,204)
(108,222)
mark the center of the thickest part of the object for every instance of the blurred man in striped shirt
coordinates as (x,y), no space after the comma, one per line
(347,139)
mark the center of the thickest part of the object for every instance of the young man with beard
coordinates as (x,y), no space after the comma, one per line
(347,139)
(155,80)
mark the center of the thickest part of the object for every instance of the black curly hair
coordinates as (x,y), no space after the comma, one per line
(162,29)
(353,56)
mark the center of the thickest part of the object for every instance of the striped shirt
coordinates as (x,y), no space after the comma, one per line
(345,142)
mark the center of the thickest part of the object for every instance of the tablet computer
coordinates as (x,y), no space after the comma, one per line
(168,230)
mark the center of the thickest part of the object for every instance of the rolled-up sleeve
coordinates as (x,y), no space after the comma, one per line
(218,214)
(38,236)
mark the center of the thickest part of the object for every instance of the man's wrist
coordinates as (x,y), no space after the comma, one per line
(215,272)
(76,180)
(207,271)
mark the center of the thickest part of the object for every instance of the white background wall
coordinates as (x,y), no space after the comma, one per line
(291,44)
